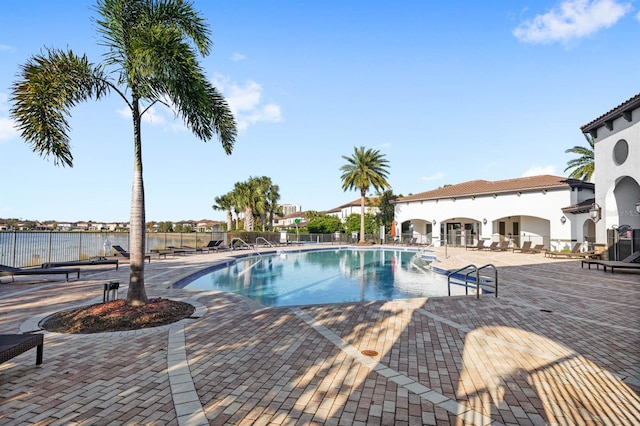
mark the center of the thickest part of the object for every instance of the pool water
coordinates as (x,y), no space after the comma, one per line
(326,276)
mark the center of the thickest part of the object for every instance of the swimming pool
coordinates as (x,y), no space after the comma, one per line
(313,277)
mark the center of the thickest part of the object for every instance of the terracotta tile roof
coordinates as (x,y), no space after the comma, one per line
(616,112)
(485,187)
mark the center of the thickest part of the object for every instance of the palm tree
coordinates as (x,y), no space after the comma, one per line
(250,198)
(583,166)
(272,198)
(364,169)
(225,203)
(152,56)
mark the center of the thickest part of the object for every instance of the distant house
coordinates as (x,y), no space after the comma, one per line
(206,225)
(354,207)
(518,210)
(289,220)
(616,208)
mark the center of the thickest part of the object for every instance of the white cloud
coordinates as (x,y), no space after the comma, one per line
(437,176)
(245,102)
(6,48)
(7,129)
(571,19)
(7,126)
(238,57)
(540,170)
(638,17)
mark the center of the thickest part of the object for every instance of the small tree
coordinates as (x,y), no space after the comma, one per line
(353,221)
(325,224)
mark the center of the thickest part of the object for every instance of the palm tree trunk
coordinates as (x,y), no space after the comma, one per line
(137,296)
(248,219)
(362,196)
(229,220)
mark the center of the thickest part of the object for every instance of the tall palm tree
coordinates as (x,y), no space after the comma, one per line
(225,203)
(152,49)
(365,169)
(250,198)
(269,195)
(583,166)
(272,198)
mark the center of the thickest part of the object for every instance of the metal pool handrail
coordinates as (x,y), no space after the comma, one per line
(467,282)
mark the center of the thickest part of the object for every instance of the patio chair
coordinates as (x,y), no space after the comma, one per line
(9,270)
(538,248)
(493,246)
(526,247)
(630,262)
(556,253)
(502,246)
(123,253)
(478,246)
(213,245)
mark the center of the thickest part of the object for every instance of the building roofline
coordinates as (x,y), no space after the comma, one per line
(622,110)
(477,188)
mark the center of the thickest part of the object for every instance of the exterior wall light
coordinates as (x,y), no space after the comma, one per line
(434,222)
(563,219)
(594,212)
(484,221)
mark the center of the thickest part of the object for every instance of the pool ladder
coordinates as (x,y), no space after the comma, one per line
(470,277)
(248,246)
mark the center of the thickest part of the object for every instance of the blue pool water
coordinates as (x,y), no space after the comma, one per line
(326,276)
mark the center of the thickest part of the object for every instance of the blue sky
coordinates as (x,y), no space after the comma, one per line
(448,91)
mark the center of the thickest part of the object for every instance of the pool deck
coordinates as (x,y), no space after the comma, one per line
(561,345)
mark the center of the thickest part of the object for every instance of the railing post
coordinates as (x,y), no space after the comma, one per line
(15,247)
(478,283)
(49,247)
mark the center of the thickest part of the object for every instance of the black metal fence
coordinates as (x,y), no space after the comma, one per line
(32,248)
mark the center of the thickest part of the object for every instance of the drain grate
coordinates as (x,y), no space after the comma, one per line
(545,310)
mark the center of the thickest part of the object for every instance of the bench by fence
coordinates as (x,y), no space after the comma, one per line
(12,345)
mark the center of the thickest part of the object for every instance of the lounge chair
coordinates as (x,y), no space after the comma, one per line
(492,246)
(630,262)
(211,246)
(479,246)
(9,270)
(502,246)
(81,263)
(123,253)
(538,248)
(12,345)
(526,247)
(180,250)
(575,250)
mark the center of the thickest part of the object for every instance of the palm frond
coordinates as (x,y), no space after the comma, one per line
(50,84)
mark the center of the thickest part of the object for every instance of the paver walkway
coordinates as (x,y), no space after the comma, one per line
(561,345)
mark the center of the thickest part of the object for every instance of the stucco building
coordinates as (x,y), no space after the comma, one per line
(520,209)
(616,210)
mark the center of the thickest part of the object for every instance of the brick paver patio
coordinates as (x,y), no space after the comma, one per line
(561,345)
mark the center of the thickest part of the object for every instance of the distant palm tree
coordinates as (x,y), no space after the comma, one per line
(365,169)
(250,198)
(583,166)
(152,56)
(225,203)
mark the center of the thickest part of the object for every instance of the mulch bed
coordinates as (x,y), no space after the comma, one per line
(117,316)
